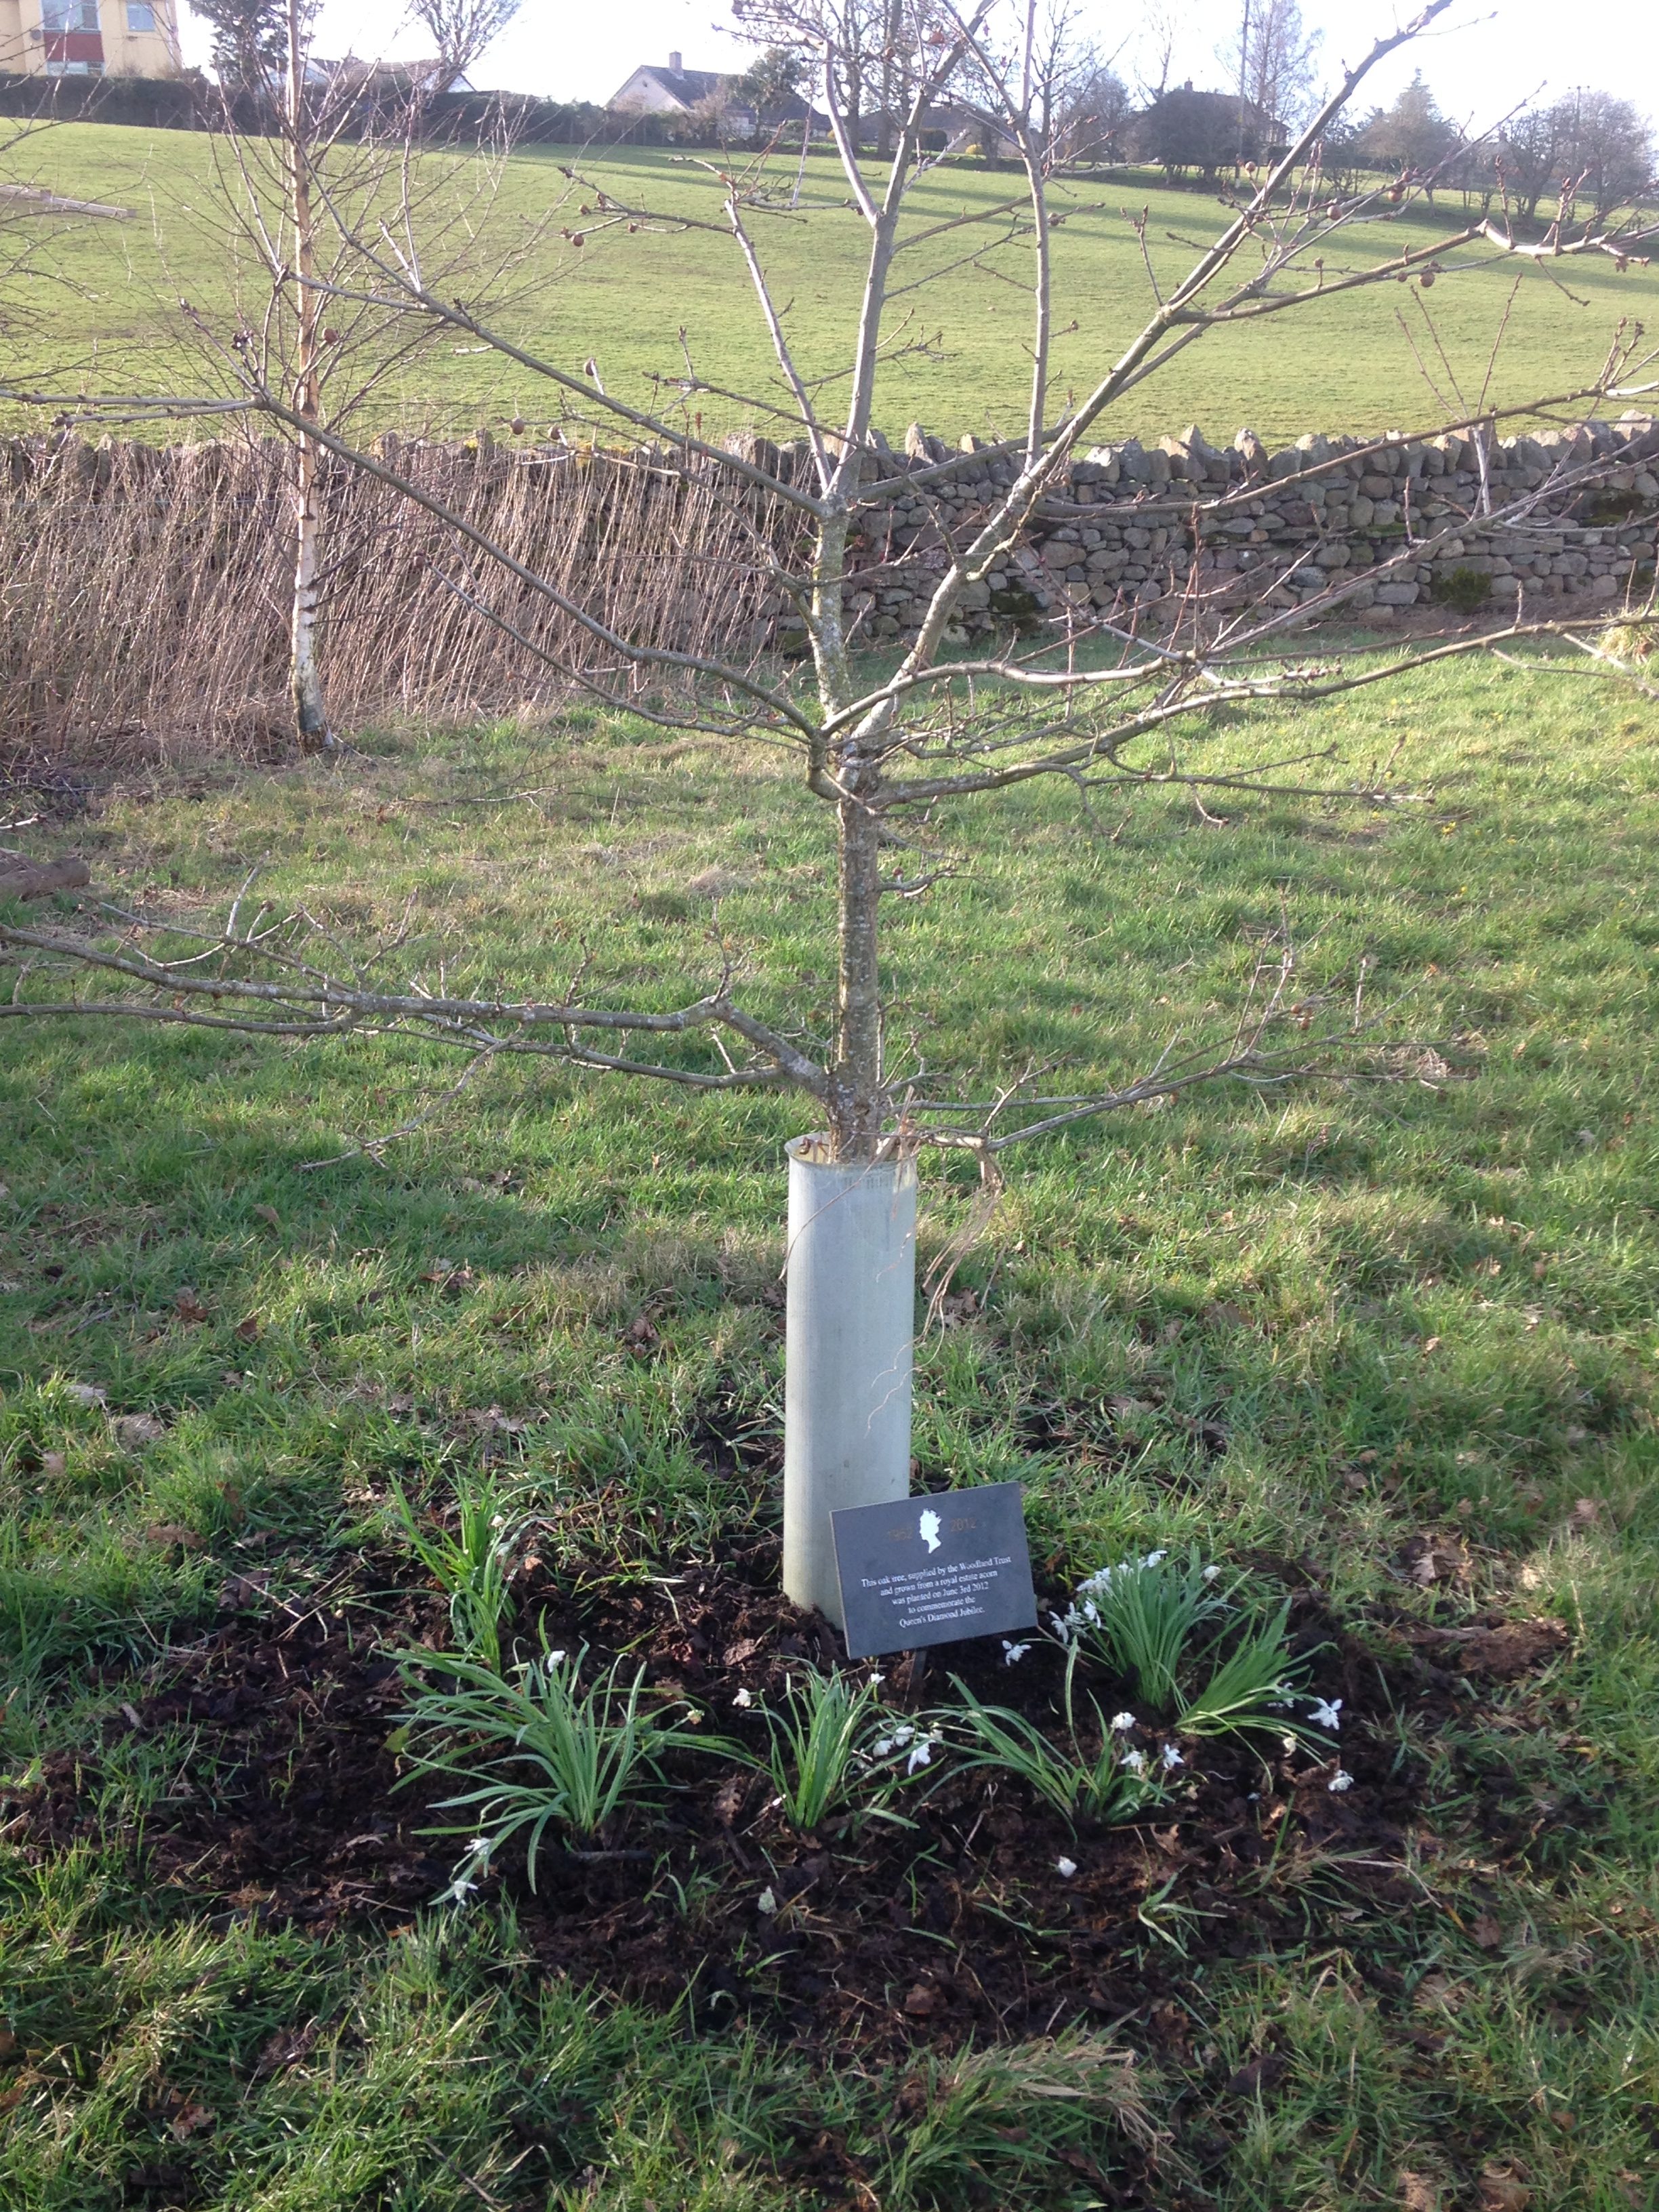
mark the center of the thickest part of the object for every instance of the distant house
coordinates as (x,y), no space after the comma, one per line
(1203,131)
(675,90)
(90,38)
(678,91)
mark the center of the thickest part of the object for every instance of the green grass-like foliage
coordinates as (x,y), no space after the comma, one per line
(470,1566)
(1352,367)
(1244,1693)
(551,1754)
(1139,1617)
(832,1749)
(1101,1785)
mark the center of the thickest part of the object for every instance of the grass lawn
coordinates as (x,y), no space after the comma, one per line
(958,344)
(1386,1348)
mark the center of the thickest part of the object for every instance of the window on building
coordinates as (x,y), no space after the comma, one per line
(141,16)
(58,17)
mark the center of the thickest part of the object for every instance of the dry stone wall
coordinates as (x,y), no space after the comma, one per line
(1129,534)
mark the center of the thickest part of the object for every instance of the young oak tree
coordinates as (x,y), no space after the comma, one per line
(892,746)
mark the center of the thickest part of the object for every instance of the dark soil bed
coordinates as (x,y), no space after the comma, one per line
(286,1808)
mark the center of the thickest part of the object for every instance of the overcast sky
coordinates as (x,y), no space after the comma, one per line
(1491,59)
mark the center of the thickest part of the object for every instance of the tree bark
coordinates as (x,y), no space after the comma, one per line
(310,717)
(857,1100)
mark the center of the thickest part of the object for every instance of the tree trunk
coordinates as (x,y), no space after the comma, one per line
(857,1102)
(310,720)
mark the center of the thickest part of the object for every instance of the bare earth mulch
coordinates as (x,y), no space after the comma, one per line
(288,1809)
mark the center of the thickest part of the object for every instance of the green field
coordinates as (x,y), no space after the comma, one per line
(958,341)
(1391,1342)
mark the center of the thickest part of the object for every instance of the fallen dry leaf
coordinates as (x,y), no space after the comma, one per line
(1502,2189)
(923,2002)
(189,2119)
(1417,2193)
(1485,1932)
(728,1799)
(1258,2074)
(248,1330)
(287,2047)
(188,1307)
(269,1215)
(735,1653)
(173,1532)
(53,1463)
(86,1394)
(134,1431)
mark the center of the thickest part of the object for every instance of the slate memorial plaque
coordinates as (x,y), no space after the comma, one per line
(931,1569)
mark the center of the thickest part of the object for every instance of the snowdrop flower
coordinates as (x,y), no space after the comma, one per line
(1325,1713)
(1135,1761)
(1122,1722)
(743,1699)
(1172,1758)
(1066,1869)
(459,1890)
(1289,1742)
(766,1902)
(556,1658)
(1013,1653)
(1210,1575)
(876,1680)
(481,1847)
(922,1755)
(1339,1781)
(1154,1559)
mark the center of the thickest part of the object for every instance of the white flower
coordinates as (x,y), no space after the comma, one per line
(1172,1758)
(1289,1742)
(766,1902)
(1135,1761)
(1210,1575)
(556,1658)
(1339,1781)
(1154,1559)
(481,1847)
(922,1755)
(876,1680)
(882,1745)
(743,1699)
(1091,1613)
(1066,1869)
(1122,1722)
(459,1890)
(1013,1653)
(1325,1713)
